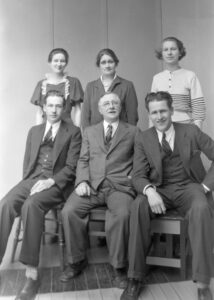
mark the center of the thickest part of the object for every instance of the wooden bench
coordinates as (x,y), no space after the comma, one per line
(161,253)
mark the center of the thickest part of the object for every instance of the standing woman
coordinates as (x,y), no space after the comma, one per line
(182,84)
(58,80)
(109,81)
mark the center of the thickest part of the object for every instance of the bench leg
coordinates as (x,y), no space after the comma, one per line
(16,239)
(183,249)
(61,240)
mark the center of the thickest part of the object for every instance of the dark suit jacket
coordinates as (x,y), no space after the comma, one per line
(191,141)
(95,90)
(65,154)
(96,163)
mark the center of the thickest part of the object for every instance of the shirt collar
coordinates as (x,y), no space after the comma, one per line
(101,77)
(170,134)
(55,128)
(114,126)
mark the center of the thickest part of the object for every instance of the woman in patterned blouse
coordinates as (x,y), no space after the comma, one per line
(57,79)
(182,84)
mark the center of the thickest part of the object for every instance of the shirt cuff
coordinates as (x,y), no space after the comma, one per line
(147,186)
(206,189)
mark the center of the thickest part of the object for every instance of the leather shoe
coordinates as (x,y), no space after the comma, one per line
(205,294)
(29,290)
(120,278)
(73,270)
(132,291)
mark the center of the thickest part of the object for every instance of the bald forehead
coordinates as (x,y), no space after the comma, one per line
(109,97)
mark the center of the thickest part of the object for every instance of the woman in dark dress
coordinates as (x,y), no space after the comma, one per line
(57,79)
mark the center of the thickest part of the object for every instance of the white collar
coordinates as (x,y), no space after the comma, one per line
(114,126)
(55,128)
(170,136)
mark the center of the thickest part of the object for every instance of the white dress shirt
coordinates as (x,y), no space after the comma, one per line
(114,127)
(55,128)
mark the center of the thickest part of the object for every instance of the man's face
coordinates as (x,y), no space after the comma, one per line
(53,108)
(110,107)
(160,115)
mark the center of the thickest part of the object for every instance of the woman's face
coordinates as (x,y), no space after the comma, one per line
(107,65)
(58,63)
(170,52)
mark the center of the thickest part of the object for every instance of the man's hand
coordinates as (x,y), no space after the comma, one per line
(83,189)
(42,185)
(155,201)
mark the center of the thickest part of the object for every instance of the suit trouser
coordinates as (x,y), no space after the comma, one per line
(75,223)
(32,209)
(191,202)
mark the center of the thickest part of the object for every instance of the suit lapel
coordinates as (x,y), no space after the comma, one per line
(100,88)
(153,147)
(36,141)
(99,136)
(183,145)
(121,132)
(61,137)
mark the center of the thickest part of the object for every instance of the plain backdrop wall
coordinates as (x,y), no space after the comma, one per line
(29,29)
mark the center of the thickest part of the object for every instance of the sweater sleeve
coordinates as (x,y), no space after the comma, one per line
(197,100)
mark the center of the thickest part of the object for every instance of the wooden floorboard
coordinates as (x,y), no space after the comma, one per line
(96,282)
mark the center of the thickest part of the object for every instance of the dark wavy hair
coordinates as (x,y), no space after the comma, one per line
(54,93)
(56,51)
(179,44)
(159,96)
(108,52)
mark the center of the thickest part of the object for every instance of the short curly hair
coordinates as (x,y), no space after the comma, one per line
(179,44)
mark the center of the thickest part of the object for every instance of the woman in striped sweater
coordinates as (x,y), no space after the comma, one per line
(182,84)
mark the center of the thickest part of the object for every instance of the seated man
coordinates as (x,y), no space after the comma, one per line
(168,173)
(103,178)
(51,155)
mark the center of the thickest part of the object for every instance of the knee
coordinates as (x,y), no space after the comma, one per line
(69,209)
(28,205)
(140,204)
(122,215)
(6,205)
(200,209)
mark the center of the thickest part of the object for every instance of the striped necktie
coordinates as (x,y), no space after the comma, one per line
(48,136)
(165,145)
(108,134)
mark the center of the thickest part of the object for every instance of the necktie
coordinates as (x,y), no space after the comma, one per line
(108,134)
(165,145)
(48,136)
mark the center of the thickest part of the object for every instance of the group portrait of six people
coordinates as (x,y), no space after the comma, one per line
(86,151)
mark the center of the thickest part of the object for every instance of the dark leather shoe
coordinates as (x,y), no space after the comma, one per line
(205,294)
(120,278)
(73,270)
(132,291)
(29,290)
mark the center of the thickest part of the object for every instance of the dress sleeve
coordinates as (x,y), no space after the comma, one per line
(131,104)
(36,98)
(76,90)
(197,100)
(86,110)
